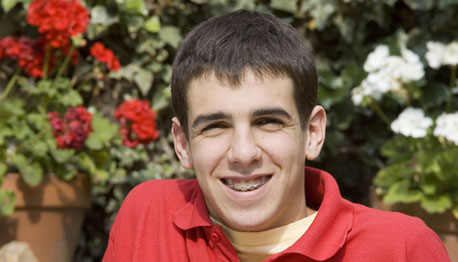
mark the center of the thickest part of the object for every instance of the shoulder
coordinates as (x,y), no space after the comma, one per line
(169,186)
(172,192)
(375,218)
(400,234)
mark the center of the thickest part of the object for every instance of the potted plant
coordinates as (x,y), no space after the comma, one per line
(420,174)
(55,139)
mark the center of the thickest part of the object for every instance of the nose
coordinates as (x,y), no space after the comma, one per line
(244,149)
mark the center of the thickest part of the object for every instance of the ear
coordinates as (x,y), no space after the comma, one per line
(316,131)
(181,144)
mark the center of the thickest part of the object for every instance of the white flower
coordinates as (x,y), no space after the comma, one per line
(388,73)
(412,70)
(393,66)
(376,84)
(357,95)
(447,126)
(376,59)
(450,56)
(434,54)
(440,54)
(412,122)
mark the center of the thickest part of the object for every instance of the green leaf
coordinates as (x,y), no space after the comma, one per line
(399,192)
(101,175)
(284,5)
(446,3)
(134,24)
(391,2)
(37,147)
(171,35)
(419,4)
(100,15)
(153,24)
(7,200)
(61,83)
(127,72)
(22,130)
(162,98)
(455,211)
(45,87)
(32,173)
(346,27)
(7,5)
(135,6)
(86,162)
(434,204)
(397,150)
(39,121)
(3,169)
(11,108)
(5,132)
(70,98)
(319,10)
(119,176)
(102,132)
(66,171)
(62,155)
(144,79)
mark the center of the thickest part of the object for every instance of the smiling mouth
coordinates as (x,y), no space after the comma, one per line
(245,186)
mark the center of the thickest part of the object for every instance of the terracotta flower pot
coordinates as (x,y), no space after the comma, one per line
(445,225)
(48,217)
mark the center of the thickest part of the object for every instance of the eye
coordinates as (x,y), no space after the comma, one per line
(270,123)
(214,127)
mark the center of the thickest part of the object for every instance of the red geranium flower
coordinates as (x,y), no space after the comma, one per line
(29,54)
(58,20)
(73,129)
(137,122)
(105,55)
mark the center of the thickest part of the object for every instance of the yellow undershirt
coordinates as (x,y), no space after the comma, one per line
(256,246)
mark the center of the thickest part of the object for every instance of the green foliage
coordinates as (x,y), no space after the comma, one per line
(7,199)
(103,131)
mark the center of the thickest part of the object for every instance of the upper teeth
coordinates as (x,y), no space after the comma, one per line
(246,185)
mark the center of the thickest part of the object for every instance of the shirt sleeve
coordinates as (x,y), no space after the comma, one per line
(426,246)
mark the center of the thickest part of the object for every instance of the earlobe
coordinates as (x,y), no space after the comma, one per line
(316,131)
(181,144)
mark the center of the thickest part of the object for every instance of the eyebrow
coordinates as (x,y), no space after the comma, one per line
(275,111)
(209,117)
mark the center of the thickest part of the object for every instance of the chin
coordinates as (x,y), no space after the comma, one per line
(248,223)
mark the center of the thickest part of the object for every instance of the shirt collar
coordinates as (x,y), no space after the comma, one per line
(328,232)
(323,239)
(194,213)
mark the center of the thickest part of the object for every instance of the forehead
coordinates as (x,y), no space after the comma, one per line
(208,94)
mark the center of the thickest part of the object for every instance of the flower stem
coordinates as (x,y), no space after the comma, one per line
(46,62)
(374,104)
(452,85)
(10,85)
(63,67)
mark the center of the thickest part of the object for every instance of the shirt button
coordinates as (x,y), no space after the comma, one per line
(215,237)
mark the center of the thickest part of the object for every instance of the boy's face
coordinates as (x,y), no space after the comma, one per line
(248,150)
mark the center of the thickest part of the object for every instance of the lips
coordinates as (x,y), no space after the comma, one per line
(244,185)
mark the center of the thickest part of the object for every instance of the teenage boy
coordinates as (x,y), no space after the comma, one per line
(244,91)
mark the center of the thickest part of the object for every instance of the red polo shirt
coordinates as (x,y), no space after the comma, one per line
(167,220)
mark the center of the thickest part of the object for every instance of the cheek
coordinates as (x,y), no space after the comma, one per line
(283,149)
(207,154)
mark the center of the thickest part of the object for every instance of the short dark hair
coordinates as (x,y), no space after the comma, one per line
(230,44)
